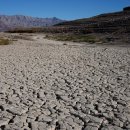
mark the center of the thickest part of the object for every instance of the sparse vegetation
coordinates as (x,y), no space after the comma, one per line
(21,37)
(4,41)
(26,30)
(74,38)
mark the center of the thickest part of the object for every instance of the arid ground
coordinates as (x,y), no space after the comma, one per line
(51,85)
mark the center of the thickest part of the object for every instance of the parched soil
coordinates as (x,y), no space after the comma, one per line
(50,85)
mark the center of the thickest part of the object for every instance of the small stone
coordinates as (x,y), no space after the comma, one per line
(110,127)
(41,94)
(89,127)
(44,118)
(52,127)
(114,103)
(96,119)
(117,122)
(34,125)
(117,128)
(86,119)
(128,126)
(91,106)
(78,106)
(4,122)
(70,120)
(42,125)
(65,98)
(17,110)
(106,115)
(59,93)
(46,112)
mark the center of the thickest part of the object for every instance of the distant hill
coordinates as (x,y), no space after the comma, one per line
(16,21)
(110,22)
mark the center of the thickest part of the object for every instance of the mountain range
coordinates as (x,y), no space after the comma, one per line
(17,21)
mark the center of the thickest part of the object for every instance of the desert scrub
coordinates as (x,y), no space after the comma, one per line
(74,38)
(4,41)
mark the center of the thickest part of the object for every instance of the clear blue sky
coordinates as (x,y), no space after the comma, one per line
(64,9)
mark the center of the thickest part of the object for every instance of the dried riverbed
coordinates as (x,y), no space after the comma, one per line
(49,85)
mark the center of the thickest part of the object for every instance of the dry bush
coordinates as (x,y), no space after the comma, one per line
(4,41)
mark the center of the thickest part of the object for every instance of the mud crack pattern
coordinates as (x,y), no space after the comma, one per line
(57,87)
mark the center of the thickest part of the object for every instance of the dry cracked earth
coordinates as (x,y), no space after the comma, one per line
(48,85)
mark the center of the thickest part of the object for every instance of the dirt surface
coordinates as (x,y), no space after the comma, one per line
(50,85)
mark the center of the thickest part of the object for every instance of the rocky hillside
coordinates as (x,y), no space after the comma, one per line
(110,22)
(10,22)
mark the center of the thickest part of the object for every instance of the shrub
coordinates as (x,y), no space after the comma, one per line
(4,41)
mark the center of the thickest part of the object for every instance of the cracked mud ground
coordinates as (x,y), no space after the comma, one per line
(64,87)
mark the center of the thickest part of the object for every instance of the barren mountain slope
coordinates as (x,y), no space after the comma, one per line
(17,21)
